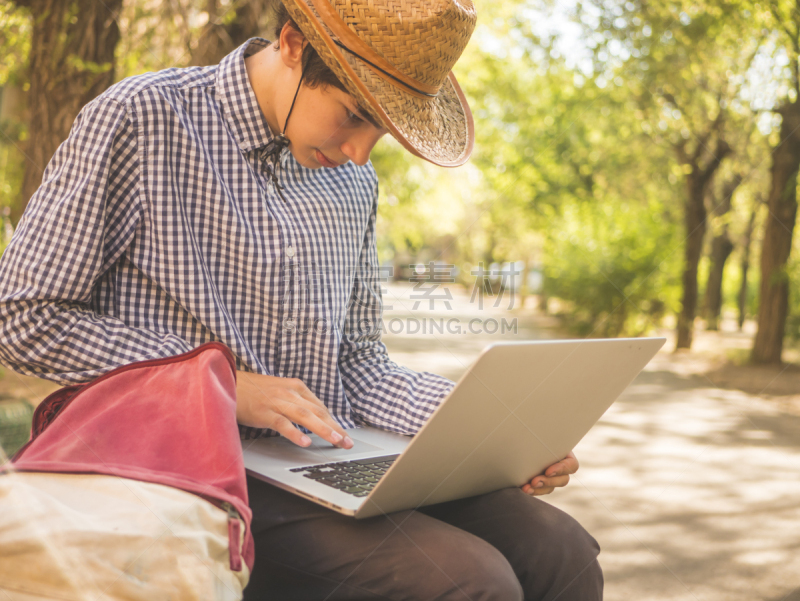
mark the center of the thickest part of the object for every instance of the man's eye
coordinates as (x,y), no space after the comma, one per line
(352,116)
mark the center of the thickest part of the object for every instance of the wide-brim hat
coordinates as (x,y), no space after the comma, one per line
(395,58)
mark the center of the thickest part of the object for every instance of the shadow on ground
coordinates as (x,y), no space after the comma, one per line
(692,492)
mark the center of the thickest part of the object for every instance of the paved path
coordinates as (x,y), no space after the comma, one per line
(692,491)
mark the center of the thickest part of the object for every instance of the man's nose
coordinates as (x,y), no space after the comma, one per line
(358,146)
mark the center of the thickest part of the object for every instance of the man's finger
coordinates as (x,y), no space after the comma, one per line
(568,465)
(288,430)
(301,389)
(543,482)
(268,397)
(326,428)
(535,492)
(337,436)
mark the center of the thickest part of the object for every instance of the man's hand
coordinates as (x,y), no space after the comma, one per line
(279,403)
(554,476)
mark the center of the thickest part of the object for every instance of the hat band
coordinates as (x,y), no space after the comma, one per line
(356,46)
(374,66)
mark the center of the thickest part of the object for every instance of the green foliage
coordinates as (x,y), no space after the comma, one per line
(5,234)
(15,425)
(403,182)
(156,35)
(573,182)
(11,172)
(793,321)
(15,32)
(617,264)
(79,65)
(732,283)
(15,41)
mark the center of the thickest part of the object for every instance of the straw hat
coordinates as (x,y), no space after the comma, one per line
(395,58)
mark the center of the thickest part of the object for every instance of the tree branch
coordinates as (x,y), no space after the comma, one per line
(714,128)
(796,77)
(680,150)
(782,23)
(672,100)
(722,150)
(722,203)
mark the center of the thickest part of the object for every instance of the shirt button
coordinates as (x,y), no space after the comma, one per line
(290,251)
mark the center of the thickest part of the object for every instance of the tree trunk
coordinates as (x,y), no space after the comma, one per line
(745,264)
(222,35)
(71,61)
(544,302)
(773,304)
(695,219)
(721,248)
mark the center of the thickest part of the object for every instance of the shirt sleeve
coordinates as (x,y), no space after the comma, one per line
(381,393)
(78,223)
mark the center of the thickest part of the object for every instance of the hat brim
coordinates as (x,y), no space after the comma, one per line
(439,129)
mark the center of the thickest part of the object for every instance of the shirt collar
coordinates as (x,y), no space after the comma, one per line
(238,99)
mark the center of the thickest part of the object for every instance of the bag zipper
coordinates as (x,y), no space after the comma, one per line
(234,536)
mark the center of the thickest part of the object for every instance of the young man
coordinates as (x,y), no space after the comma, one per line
(237,203)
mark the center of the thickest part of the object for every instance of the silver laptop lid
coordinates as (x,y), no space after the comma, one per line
(521,407)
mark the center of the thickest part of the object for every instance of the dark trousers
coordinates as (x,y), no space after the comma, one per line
(502,546)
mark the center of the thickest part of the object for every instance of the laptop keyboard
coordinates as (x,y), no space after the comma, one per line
(357,477)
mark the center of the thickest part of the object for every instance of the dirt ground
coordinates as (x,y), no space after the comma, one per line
(722,359)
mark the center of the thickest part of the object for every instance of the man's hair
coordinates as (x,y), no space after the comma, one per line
(315,72)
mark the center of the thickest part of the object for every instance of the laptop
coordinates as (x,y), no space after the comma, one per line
(520,407)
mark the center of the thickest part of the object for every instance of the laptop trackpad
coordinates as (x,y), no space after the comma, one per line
(325,451)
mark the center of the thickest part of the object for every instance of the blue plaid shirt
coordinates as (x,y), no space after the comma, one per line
(157,228)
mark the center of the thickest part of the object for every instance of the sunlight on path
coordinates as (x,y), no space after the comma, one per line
(692,491)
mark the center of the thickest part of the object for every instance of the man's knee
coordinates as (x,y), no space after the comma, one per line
(484,574)
(553,555)
(571,542)
(570,560)
(586,585)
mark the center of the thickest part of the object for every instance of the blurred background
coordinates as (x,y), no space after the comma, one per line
(635,172)
(636,161)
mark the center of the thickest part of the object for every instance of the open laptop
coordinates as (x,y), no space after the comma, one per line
(521,407)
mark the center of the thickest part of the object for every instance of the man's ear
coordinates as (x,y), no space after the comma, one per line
(292,43)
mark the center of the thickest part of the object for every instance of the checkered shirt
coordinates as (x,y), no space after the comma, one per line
(157,228)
